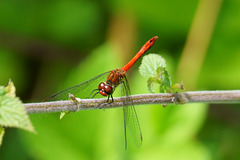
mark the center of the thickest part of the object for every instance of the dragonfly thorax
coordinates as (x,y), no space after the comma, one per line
(113,80)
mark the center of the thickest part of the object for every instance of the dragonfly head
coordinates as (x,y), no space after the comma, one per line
(105,89)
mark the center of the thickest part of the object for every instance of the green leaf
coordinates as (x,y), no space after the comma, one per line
(12,112)
(151,85)
(165,85)
(166,79)
(2,132)
(63,113)
(153,67)
(10,89)
(150,64)
(2,90)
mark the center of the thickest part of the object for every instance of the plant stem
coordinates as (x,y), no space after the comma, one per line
(229,96)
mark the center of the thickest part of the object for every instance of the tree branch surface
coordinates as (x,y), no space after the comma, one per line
(230,96)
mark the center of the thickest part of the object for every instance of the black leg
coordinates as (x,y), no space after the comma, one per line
(112,98)
(109,98)
(92,93)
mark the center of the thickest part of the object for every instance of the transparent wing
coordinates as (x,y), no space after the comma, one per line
(82,90)
(131,123)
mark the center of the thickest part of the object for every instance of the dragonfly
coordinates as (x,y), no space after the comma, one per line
(105,85)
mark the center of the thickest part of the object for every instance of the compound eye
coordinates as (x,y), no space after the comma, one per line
(108,89)
(101,86)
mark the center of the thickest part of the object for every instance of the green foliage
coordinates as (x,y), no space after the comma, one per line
(12,112)
(153,67)
(64,113)
(170,129)
(86,27)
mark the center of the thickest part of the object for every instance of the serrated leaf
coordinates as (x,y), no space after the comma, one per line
(10,89)
(2,90)
(12,113)
(150,85)
(2,132)
(150,64)
(153,66)
(165,81)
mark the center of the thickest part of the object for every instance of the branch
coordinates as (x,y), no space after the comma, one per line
(230,96)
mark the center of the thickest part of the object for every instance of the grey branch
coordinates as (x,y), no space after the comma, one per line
(230,96)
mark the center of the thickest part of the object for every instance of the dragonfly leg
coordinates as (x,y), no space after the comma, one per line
(111,98)
(92,93)
(107,102)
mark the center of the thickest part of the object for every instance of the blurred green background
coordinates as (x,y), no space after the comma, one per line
(46,46)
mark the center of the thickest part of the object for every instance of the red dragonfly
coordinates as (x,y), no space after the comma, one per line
(105,84)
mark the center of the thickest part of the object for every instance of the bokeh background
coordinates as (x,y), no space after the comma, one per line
(46,46)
